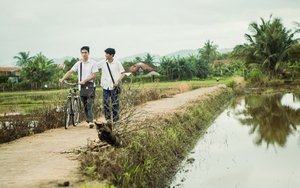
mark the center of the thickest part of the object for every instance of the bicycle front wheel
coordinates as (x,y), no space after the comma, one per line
(68,112)
(76,110)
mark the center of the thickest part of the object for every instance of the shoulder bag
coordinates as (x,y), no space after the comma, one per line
(87,90)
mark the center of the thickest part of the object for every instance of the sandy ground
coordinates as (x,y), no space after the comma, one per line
(43,160)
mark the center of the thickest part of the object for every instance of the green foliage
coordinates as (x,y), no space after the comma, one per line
(3,78)
(151,156)
(69,64)
(256,76)
(270,45)
(149,58)
(23,58)
(127,63)
(209,51)
(38,70)
(231,84)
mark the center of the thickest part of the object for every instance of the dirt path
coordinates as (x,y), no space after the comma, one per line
(42,160)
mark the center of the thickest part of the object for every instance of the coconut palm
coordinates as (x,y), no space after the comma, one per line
(23,58)
(268,46)
(149,58)
(38,70)
(166,66)
(209,51)
(137,60)
(201,69)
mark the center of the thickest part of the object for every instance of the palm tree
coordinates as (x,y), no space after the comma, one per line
(209,51)
(23,58)
(166,66)
(268,46)
(201,69)
(149,58)
(137,60)
(38,70)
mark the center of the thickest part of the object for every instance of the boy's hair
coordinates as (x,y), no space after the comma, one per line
(85,48)
(110,51)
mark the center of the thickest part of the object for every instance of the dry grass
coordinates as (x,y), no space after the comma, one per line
(153,147)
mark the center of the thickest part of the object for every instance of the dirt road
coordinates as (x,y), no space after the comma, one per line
(43,160)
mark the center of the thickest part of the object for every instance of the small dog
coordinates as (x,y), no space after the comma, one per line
(106,134)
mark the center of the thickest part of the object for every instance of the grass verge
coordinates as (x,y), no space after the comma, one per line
(149,158)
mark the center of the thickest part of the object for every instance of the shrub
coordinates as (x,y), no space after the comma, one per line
(256,77)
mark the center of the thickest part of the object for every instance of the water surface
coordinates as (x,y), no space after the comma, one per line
(254,143)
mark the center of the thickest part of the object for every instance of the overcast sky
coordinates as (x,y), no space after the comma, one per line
(59,28)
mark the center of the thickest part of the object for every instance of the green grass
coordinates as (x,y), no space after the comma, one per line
(150,156)
(201,83)
(58,96)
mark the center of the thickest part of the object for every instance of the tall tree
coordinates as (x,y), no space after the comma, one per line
(23,58)
(209,51)
(165,67)
(201,69)
(137,60)
(38,70)
(149,58)
(69,64)
(268,46)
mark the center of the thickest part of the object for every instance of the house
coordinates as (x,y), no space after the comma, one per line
(223,62)
(13,73)
(141,68)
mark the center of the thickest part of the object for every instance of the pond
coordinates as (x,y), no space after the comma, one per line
(255,142)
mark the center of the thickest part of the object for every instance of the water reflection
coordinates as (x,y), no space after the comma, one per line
(227,157)
(7,110)
(271,118)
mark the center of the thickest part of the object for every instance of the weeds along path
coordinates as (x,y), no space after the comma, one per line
(48,159)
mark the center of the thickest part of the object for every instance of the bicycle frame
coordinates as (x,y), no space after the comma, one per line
(73,107)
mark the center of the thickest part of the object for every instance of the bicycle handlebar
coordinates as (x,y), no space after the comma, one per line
(70,84)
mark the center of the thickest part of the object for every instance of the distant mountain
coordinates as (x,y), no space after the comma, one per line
(141,55)
(181,53)
(225,50)
(60,61)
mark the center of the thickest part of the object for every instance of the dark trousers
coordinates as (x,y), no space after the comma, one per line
(111,105)
(88,104)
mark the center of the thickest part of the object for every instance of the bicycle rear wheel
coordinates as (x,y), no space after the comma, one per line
(68,112)
(76,110)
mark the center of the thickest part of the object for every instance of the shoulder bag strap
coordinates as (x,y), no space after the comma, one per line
(81,73)
(110,72)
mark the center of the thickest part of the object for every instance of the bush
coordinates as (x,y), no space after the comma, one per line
(231,84)
(3,78)
(256,77)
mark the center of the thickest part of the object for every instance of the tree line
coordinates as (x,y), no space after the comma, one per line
(270,50)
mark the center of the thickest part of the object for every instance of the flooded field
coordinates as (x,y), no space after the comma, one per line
(7,110)
(255,142)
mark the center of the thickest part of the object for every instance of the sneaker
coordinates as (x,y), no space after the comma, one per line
(91,125)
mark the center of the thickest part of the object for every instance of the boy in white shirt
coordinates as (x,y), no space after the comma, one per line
(87,71)
(108,83)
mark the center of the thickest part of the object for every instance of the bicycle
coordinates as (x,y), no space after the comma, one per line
(73,106)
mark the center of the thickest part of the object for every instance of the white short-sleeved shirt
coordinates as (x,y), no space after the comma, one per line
(88,69)
(116,69)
